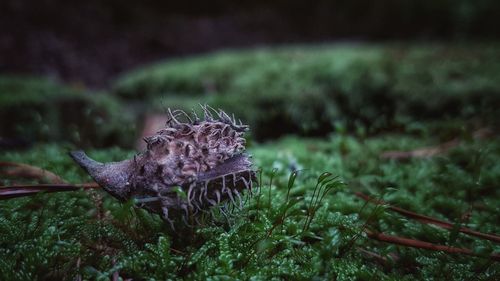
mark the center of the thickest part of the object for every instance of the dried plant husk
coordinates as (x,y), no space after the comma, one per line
(189,166)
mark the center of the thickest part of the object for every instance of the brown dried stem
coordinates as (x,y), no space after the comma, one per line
(9,192)
(430,220)
(431,151)
(424,245)
(26,171)
(420,152)
(380,259)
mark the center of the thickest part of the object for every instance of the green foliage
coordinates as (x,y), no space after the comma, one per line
(38,109)
(303,222)
(286,229)
(310,89)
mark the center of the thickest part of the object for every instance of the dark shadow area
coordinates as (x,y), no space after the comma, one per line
(90,42)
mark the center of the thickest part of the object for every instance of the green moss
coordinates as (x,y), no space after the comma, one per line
(39,110)
(265,240)
(307,89)
(282,232)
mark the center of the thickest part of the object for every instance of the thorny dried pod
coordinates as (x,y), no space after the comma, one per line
(205,158)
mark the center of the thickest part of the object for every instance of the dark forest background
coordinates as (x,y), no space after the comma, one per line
(91,42)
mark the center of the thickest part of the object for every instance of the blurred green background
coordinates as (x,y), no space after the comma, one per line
(93,72)
(300,90)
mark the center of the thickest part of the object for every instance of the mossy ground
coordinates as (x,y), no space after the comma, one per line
(362,100)
(307,90)
(63,235)
(42,109)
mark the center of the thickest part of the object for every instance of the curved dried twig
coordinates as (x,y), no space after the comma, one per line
(9,192)
(26,171)
(430,220)
(425,245)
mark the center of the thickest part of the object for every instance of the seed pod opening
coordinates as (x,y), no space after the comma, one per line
(204,158)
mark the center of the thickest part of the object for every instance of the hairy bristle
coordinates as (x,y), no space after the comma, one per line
(203,157)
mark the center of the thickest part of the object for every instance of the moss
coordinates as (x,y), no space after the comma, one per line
(265,240)
(307,89)
(351,93)
(40,110)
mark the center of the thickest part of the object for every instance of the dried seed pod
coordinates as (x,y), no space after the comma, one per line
(205,158)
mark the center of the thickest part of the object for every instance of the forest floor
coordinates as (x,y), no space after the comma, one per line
(284,231)
(375,162)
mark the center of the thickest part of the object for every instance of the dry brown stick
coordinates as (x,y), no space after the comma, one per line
(430,151)
(116,275)
(78,276)
(430,220)
(8,192)
(384,261)
(420,152)
(27,171)
(424,245)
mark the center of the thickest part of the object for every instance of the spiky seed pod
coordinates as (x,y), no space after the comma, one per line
(205,158)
